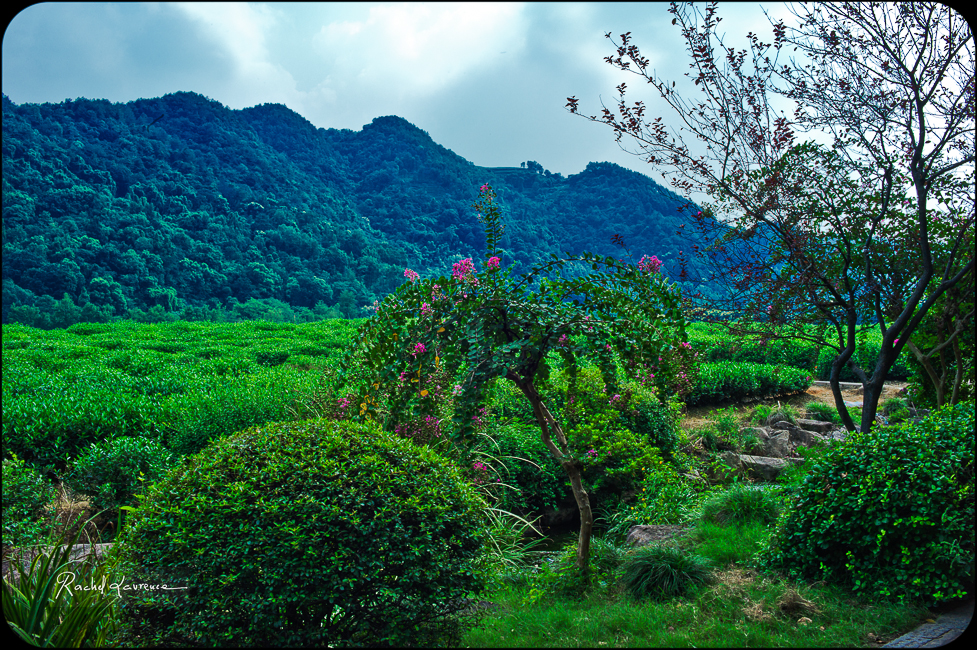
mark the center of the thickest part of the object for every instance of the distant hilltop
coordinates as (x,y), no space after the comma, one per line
(178,201)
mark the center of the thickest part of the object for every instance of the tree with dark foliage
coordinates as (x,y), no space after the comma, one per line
(821,242)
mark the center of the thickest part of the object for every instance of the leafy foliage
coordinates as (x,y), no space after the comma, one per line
(210,213)
(113,472)
(26,493)
(726,381)
(662,571)
(180,384)
(482,325)
(45,601)
(890,514)
(303,534)
(740,504)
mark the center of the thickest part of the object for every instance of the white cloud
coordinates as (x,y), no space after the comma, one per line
(240,29)
(414,49)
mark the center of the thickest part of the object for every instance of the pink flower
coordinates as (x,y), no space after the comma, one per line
(563,341)
(410,275)
(650,264)
(493,263)
(419,349)
(463,270)
(425,309)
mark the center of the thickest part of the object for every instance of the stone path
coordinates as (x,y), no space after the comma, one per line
(949,626)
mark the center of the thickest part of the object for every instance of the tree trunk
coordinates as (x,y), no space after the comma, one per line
(548,425)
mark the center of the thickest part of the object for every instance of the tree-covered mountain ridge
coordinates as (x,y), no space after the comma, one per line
(179,203)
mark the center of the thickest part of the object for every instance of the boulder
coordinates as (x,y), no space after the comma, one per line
(777,446)
(815,425)
(761,467)
(799,437)
(642,535)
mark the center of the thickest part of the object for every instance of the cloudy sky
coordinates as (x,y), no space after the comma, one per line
(486,80)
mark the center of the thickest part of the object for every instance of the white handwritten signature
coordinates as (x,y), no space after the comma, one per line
(66,578)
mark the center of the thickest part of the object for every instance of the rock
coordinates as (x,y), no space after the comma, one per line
(761,467)
(799,437)
(759,436)
(776,417)
(777,446)
(642,535)
(815,425)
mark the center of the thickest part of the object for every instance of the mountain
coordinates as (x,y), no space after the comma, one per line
(179,204)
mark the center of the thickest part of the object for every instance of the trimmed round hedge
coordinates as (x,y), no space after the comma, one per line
(303,534)
(889,514)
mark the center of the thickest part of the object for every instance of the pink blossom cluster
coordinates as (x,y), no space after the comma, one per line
(425,309)
(419,349)
(650,264)
(410,275)
(463,270)
(493,263)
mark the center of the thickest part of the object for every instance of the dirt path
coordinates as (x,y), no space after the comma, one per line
(696,416)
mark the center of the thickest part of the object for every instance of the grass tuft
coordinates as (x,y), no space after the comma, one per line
(660,571)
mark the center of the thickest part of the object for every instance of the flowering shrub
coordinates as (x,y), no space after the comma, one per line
(481,325)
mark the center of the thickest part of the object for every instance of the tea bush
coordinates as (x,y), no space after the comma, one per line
(113,471)
(726,381)
(889,514)
(25,494)
(303,534)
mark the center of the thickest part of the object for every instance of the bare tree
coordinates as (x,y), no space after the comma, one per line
(813,241)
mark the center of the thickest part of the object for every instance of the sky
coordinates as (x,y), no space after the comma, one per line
(487,80)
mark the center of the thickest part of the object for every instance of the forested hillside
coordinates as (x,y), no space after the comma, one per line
(180,206)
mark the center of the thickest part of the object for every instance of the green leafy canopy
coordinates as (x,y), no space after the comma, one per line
(483,323)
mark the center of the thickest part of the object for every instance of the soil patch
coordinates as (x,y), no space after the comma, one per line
(697,416)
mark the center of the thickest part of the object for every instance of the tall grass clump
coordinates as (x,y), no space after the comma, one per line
(45,602)
(661,571)
(742,503)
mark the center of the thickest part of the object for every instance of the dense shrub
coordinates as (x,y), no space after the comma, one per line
(303,534)
(726,381)
(25,494)
(114,471)
(715,345)
(889,514)
(615,436)
(538,482)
